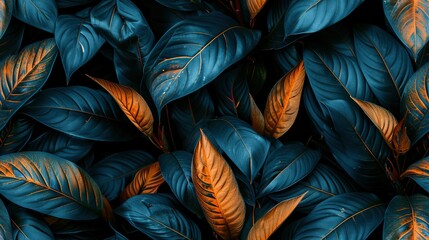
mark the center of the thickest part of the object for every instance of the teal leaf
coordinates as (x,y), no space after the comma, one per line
(287,58)
(15,135)
(11,41)
(346,216)
(41,182)
(405,218)
(419,172)
(286,166)
(115,171)
(193,53)
(246,148)
(64,146)
(23,75)
(81,112)
(6,9)
(157,216)
(40,14)
(28,224)
(77,41)
(5,223)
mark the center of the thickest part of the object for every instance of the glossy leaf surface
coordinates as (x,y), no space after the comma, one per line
(405,218)
(409,20)
(28,225)
(5,223)
(40,14)
(419,172)
(286,166)
(15,135)
(40,181)
(193,53)
(113,172)
(6,9)
(80,112)
(23,75)
(156,216)
(217,190)
(281,108)
(345,216)
(176,170)
(11,41)
(246,148)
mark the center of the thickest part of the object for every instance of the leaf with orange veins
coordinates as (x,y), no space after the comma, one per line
(217,190)
(283,102)
(255,6)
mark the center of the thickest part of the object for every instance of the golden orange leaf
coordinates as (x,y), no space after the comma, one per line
(255,7)
(146,180)
(401,143)
(381,117)
(256,116)
(132,104)
(217,190)
(269,223)
(283,102)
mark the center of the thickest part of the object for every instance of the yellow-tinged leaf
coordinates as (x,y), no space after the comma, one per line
(255,7)
(217,190)
(283,102)
(401,143)
(132,104)
(146,180)
(381,117)
(269,223)
(256,117)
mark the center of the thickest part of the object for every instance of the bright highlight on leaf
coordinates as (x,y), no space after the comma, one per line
(217,190)
(283,102)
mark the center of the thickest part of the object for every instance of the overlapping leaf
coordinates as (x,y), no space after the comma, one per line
(255,6)
(181,5)
(193,53)
(11,41)
(419,172)
(256,117)
(41,182)
(40,14)
(217,190)
(6,9)
(28,224)
(80,112)
(72,3)
(5,223)
(406,218)
(15,135)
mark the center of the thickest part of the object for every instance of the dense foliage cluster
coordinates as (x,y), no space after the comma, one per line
(214,119)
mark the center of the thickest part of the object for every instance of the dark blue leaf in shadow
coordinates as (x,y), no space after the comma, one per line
(15,135)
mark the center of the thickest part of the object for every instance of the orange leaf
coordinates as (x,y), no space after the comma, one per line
(269,223)
(146,180)
(132,104)
(283,102)
(256,116)
(255,7)
(401,143)
(217,190)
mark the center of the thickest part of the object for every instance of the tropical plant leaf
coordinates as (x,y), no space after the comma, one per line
(11,41)
(27,224)
(401,143)
(23,75)
(419,172)
(129,68)
(256,74)
(77,42)
(6,9)
(381,117)
(287,58)
(409,20)
(66,229)
(272,220)
(286,166)
(255,6)
(405,218)
(182,60)
(283,102)
(345,216)
(256,117)
(41,182)
(80,112)
(176,170)
(384,62)
(131,103)
(322,183)
(157,216)
(15,135)
(181,5)
(40,14)
(64,146)
(217,190)
(146,180)
(245,147)
(415,104)
(113,172)
(5,223)
(72,3)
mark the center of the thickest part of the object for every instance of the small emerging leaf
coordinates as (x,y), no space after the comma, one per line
(401,143)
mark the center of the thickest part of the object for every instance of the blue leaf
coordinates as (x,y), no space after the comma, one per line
(15,135)
(346,216)
(41,182)
(6,9)
(193,53)
(72,3)
(181,5)
(81,112)
(419,172)
(77,41)
(384,62)
(12,39)
(246,148)
(287,58)
(157,216)
(28,224)
(40,14)
(322,183)
(286,166)
(114,172)
(23,75)
(129,68)
(176,170)
(5,223)
(64,146)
